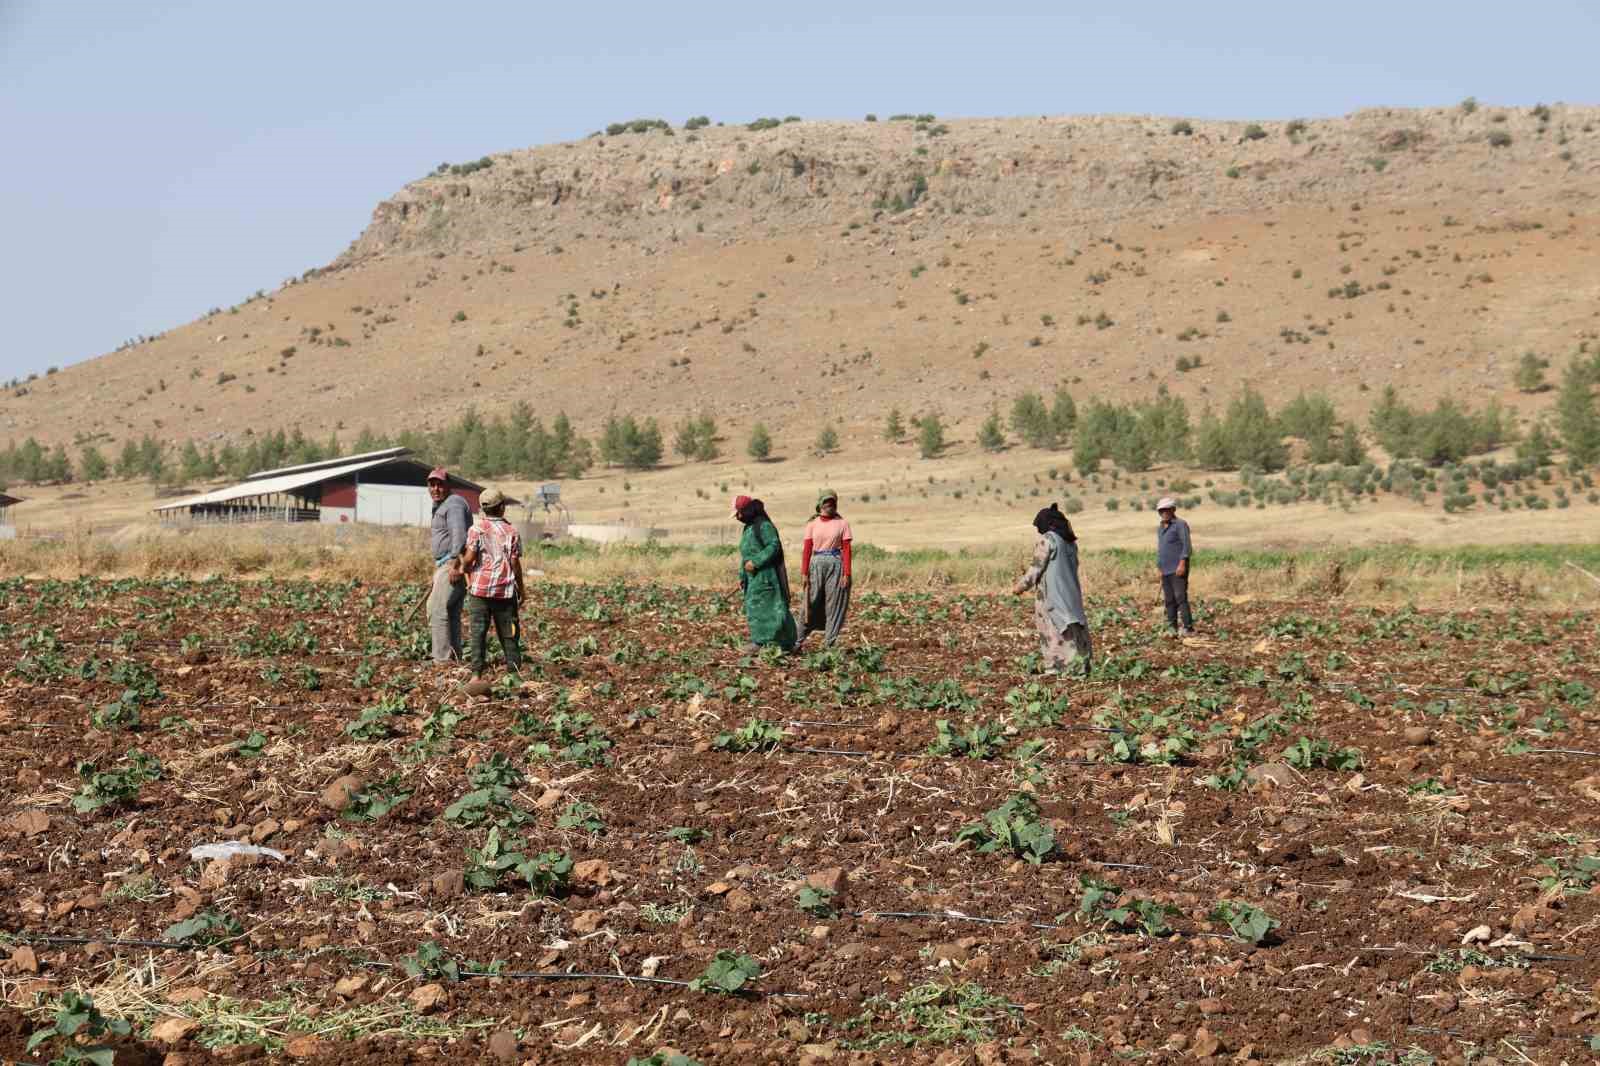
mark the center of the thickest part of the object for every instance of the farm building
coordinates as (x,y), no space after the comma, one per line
(7,530)
(386,488)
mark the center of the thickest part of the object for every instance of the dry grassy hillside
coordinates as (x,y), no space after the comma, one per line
(835,269)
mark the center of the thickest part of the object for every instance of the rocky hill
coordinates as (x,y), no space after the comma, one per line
(831,270)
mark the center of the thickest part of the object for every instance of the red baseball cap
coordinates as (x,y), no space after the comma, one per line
(439,473)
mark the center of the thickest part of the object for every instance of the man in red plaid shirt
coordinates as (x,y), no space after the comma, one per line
(492,562)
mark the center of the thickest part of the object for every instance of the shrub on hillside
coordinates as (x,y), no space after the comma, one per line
(759,446)
(631,444)
(930,437)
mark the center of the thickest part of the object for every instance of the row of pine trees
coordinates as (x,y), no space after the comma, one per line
(1133,437)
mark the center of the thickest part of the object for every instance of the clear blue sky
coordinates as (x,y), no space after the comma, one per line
(164,158)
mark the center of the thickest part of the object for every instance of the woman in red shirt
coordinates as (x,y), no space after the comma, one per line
(825,569)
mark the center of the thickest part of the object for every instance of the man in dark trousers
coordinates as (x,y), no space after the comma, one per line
(452,517)
(1172,560)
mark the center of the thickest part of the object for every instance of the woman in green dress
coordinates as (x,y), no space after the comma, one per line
(763,577)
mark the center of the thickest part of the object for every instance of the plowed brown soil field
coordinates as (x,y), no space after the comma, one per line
(1316,832)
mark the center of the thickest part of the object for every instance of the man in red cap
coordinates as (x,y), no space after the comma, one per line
(451,520)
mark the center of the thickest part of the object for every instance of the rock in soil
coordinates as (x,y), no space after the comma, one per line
(336,796)
(429,998)
(829,880)
(503,1046)
(1270,775)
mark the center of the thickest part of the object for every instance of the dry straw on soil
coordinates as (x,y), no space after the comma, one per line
(1526,576)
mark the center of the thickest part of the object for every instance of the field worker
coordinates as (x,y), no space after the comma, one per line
(1172,561)
(492,562)
(763,577)
(825,569)
(1058,596)
(451,520)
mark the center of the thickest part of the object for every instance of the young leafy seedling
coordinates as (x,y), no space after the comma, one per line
(1014,826)
(103,788)
(77,1017)
(584,816)
(1100,903)
(1248,923)
(375,802)
(207,927)
(817,902)
(727,974)
(430,962)
(1308,754)
(547,873)
(757,734)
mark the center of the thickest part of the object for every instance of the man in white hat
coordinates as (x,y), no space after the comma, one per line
(1172,562)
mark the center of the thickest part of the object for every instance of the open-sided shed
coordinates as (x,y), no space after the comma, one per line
(7,530)
(387,488)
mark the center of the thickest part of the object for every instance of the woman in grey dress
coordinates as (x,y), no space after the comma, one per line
(1058,596)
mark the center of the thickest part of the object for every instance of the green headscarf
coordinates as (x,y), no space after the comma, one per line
(822,497)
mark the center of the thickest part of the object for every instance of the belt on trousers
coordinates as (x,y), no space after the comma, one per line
(826,551)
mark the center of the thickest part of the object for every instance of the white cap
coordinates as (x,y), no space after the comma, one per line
(1166,503)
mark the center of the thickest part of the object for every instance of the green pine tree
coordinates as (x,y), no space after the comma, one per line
(1575,413)
(92,466)
(930,437)
(760,445)
(991,438)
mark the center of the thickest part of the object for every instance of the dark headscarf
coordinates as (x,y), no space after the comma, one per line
(751,512)
(1051,520)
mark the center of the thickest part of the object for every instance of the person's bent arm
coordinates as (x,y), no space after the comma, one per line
(1041,559)
(765,551)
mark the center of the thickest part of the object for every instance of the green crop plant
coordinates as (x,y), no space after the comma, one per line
(1013,827)
(377,722)
(686,835)
(1248,923)
(980,741)
(817,902)
(1573,876)
(491,805)
(727,974)
(1102,904)
(1308,754)
(547,873)
(1035,706)
(487,865)
(120,713)
(495,771)
(207,927)
(584,816)
(102,788)
(429,962)
(575,738)
(757,734)
(251,746)
(77,1018)
(374,802)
